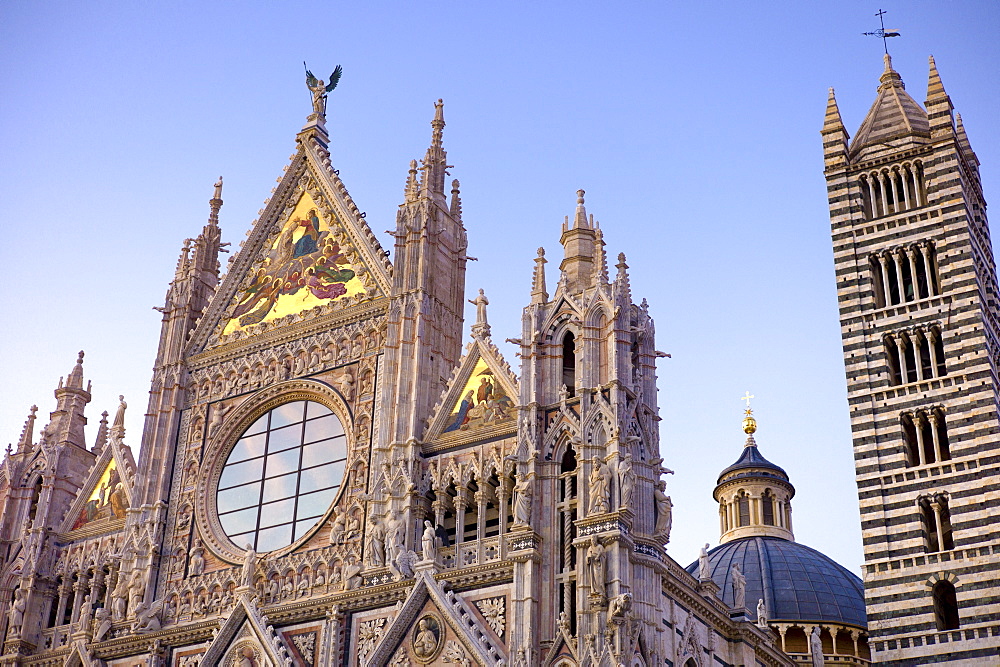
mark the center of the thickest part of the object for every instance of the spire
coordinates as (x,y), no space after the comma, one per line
(834,133)
(600,258)
(27,433)
(963,141)
(75,379)
(435,161)
(623,288)
(935,89)
(410,190)
(456,201)
(101,441)
(538,293)
(938,104)
(481,329)
(580,220)
(894,117)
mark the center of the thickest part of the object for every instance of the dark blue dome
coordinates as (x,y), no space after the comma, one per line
(751,458)
(797,583)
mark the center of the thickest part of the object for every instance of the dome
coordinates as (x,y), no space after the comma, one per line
(752,459)
(797,583)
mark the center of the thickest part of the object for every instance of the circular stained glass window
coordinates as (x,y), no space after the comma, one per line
(281,476)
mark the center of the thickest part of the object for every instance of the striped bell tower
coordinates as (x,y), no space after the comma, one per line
(917,291)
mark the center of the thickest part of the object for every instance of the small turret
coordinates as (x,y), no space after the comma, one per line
(24,443)
(938,103)
(834,133)
(578,240)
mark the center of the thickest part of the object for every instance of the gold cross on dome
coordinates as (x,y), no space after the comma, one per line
(747,398)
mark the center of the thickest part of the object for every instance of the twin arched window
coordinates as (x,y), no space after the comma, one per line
(925,435)
(915,355)
(904,273)
(892,190)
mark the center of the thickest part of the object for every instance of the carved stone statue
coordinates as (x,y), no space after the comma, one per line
(376,542)
(664,511)
(197,560)
(597,564)
(249,566)
(16,619)
(147,617)
(339,528)
(103,617)
(620,605)
(522,501)
(86,614)
(816,647)
(704,567)
(739,587)
(626,480)
(136,590)
(761,613)
(320,89)
(600,478)
(429,541)
(393,535)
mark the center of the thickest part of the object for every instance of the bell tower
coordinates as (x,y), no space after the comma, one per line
(917,291)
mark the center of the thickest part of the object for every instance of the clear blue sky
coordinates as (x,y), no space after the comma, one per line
(693,127)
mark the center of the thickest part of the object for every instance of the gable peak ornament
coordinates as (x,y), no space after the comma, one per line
(320,89)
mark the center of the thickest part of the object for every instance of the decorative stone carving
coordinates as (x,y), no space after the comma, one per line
(494,610)
(454,654)
(427,639)
(369,634)
(305,644)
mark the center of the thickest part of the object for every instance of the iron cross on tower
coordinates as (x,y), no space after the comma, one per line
(882,32)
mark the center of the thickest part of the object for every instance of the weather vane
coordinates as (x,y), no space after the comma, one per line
(882,32)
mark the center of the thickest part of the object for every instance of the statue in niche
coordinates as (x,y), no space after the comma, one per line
(600,483)
(338,530)
(664,510)
(522,501)
(626,480)
(739,581)
(16,614)
(376,542)
(429,541)
(597,564)
(136,590)
(119,601)
(86,614)
(197,560)
(393,535)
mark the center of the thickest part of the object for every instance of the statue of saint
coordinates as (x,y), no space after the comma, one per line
(626,480)
(761,613)
(664,511)
(16,618)
(739,587)
(600,477)
(249,566)
(704,568)
(597,564)
(429,541)
(816,647)
(522,501)
(376,542)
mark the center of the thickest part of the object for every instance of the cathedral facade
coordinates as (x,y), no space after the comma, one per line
(330,473)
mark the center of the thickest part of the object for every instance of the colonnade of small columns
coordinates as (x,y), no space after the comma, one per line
(926,436)
(754,511)
(838,641)
(914,354)
(893,189)
(904,273)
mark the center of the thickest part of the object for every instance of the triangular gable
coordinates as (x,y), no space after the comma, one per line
(80,657)
(107,493)
(247,629)
(479,401)
(309,253)
(453,610)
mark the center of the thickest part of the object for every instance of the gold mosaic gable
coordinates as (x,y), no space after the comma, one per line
(305,267)
(309,254)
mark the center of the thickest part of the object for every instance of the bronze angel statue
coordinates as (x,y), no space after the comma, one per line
(320,88)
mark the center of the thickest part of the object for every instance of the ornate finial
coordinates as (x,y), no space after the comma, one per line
(579,197)
(320,89)
(75,378)
(749,423)
(538,292)
(456,200)
(580,219)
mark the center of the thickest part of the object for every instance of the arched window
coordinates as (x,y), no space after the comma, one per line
(941,429)
(569,363)
(767,508)
(910,439)
(878,281)
(945,606)
(892,360)
(935,516)
(743,507)
(941,369)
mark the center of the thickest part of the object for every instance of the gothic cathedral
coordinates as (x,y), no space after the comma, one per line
(331,473)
